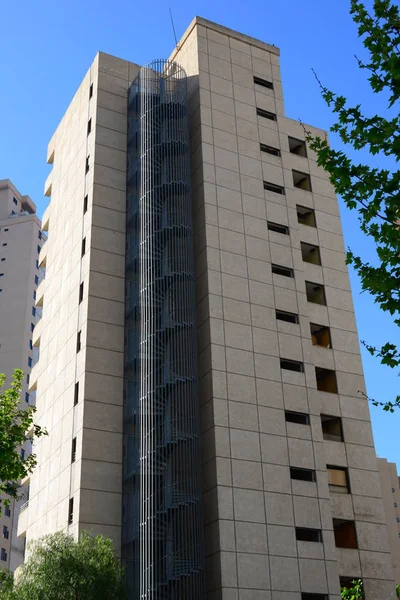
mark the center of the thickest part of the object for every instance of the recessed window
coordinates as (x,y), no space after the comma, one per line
(310,253)
(85,204)
(5,244)
(34,295)
(338,480)
(27,397)
(332,428)
(284,271)
(302,474)
(91,91)
(83,248)
(89,126)
(37,264)
(306,216)
(288,317)
(15,201)
(264,83)
(6,229)
(73,450)
(326,380)
(345,534)
(28,379)
(292,365)
(22,453)
(297,417)
(3,260)
(307,596)
(270,150)
(32,327)
(297,146)
(3,555)
(76,393)
(6,533)
(272,187)
(38,249)
(283,229)
(320,335)
(7,510)
(266,114)
(348,583)
(302,181)
(81,292)
(304,534)
(70,511)
(87,165)
(29,361)
(39,234)
(315,293)
(33,311)
(1,274)
(36,280)
(78,341)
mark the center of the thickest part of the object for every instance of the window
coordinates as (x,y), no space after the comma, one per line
(264,83)
(307,596)
(310,253)
(83,248)
(315,293)
(85,204)
(29,361)
(15,201)
(345,534)
(73,450)
(284,271)
(288,317)
(27,397)
(320,335)
(338,480)
(272,187)
(348,583)
(87,165)
(6,229)
(91,91)
(3,554)
(89,126)
(76,393)
(6,533)
(297,146)
(332,428)
(27,378)
(36,279)
(270,150)
(32,327)
(306,216)
(70,511)
(292,365)
(33,311)
(3,260)
(283,229)
(78,341)
(302,181)
(81,292)
(7,510)
(302,474)
(266,114)
(1,274)
(37,264)
(22,453)
(297,417)
(38,249)
(40,235)
(303,534)
(5,244)
(326,380)
(34,295)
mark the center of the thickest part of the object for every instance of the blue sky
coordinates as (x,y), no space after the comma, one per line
(46,48)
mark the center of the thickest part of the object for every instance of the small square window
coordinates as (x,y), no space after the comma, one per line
(83,248)
(284,271)
(302,474)
(345,534)
(288,317)
(304,534)
(3,260)
(270,150)
(292,365)
(297,417)
(306,216)
(15,201)
(302,181)
(326,380)
(310,253)
(85,204)
(283,229)
(297,147)
(315,293)
(347,583)
(5,244)
(29,361)
(332,428)
(87,165)
(338,480)
(272,187)
(320,335)
(6,229)
(89,126)
(266,114)
(264,83)
(1,274)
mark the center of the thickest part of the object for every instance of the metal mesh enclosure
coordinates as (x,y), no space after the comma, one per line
(162,516)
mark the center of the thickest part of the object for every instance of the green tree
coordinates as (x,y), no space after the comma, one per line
(61,569)
(373,192)
(354,593)
(16,427)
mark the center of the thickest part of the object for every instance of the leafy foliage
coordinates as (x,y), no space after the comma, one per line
(16,427)
(373,192)
(354,593)
(61,569)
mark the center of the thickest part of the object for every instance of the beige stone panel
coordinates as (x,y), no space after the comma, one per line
(259,270)
(102,509)
(241,388)
(247,129)
(236,311)
(249,505)
(106,287)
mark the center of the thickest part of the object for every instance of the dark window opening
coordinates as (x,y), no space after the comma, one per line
(15,201)
(70,511)
(91,91)
(273,187)
(345,534)
(292,365)
(73,450)
(83,248)
(302,474)
(89,126)
(87,165)
(306,216)
(297,417)
(39,234)
(302,181)
(297,147)
(32,327)
(338,480)
(307,596)
(266,114)
(264,83)
(76,393)
(320,335)
(310,253)
(5,244)
(270,150)
(315,293)
(284,271)
(36,280)
(6,533)
(7,510)
(288,317)
(27,397)
(38,249)
(3,260)
(3,554)
(78,341)
(332,428)
(304,534)
(85,204)
(30,362)
(283,229)
(33,311)
(81,292)
(326,380)
(348,583)
(6,229)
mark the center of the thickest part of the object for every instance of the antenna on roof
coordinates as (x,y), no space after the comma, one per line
(173,28)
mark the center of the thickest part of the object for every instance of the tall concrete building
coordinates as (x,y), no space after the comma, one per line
(20,242)
(391,502)
(291,497)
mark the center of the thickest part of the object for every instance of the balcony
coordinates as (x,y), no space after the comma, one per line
(37,332)
(34,375)
(47,185)
(46,219)
(40,293)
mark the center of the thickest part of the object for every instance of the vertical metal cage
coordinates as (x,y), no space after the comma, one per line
(162,526)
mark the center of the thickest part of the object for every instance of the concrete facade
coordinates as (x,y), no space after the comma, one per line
(391,502)
(20,241)
(289,464)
